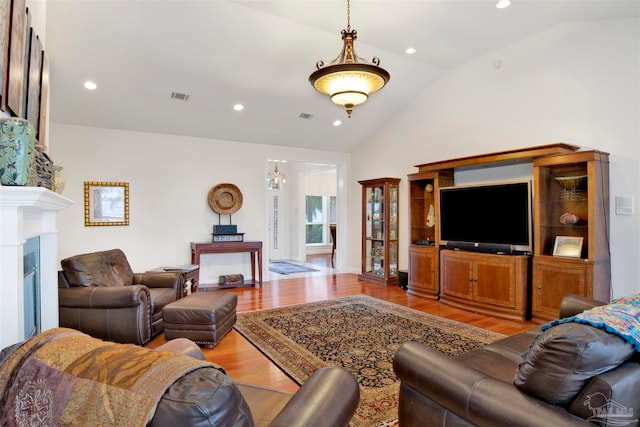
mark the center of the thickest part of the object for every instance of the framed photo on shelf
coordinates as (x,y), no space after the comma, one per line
(568,246)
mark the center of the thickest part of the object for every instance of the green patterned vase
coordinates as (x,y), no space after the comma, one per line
(17,143)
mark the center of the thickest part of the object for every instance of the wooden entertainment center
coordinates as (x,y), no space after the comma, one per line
(518,286)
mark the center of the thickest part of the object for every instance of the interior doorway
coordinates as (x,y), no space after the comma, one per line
(290,226)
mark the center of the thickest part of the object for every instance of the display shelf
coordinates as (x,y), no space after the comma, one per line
(586,201)
(424,232)
(380,230)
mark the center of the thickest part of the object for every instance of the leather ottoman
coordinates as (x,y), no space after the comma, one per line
(203,317)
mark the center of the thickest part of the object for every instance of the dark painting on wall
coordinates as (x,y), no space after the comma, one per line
(5,24)
(33,81)
(17,54)
(25,70)
(44,98)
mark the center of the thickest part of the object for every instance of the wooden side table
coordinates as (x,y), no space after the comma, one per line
(190,274)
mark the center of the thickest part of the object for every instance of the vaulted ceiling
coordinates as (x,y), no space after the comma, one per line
(260,53)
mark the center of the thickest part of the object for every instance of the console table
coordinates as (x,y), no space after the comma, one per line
(253,247)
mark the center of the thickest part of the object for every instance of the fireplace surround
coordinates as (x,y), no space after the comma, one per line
(27,217)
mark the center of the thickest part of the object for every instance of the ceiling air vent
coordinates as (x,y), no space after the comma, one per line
(306,116)
(179,96)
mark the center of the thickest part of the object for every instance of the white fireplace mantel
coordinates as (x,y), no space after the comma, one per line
(27,212)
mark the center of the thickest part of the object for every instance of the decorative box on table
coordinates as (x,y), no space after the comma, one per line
(232,280)
(237,237)
(225,229)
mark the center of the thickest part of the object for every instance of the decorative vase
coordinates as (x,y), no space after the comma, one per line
(41,174)
(58,179)
(17,144)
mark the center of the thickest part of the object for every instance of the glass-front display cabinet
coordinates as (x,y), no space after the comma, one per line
(380,230)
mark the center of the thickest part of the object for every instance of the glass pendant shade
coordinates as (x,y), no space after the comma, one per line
(349,79)
(275,179)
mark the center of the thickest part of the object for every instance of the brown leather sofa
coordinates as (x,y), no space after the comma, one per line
(208,397)
(573,374)
(100,295)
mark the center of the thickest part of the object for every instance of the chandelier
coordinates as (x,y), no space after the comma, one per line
(349,79)
(275,179)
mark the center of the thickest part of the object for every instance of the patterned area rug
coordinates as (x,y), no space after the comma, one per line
(360,333)
(283,267)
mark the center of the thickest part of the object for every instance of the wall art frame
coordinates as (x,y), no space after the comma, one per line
(44,99)
(33,82)
(15,96)
(106,203)
(568,246)
(5,25)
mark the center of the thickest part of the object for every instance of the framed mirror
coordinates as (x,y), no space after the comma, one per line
(106,203)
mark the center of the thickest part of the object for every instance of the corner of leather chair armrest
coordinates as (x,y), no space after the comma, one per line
(471,394)
(329,397)
(436,375)
(494,402)
(576,304)
(103,296)
(183,347)
(166,279)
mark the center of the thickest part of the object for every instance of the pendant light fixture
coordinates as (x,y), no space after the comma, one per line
(349,79)
(275,179)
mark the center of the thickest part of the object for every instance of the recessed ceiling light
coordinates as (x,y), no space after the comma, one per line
(503,4)
(238,107)
(410,50)
(337,123)
(90,85)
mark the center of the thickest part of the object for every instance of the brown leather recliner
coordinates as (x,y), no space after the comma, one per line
(583,374)
(100,295)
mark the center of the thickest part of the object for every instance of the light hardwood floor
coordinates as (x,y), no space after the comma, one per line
(244,363)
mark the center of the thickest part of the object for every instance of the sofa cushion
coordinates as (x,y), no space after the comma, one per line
(562,359)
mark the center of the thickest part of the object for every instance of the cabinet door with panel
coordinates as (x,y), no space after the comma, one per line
(456,275)
(553,279)
(486,283)
(495,282)
(423,271)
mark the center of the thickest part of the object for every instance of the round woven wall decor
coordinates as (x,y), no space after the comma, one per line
(225,199)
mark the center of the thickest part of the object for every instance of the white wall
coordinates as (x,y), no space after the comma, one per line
(169,178)
(577,83)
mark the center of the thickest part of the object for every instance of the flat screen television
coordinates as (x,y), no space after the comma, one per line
(494,217)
